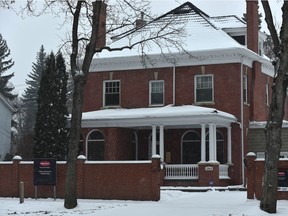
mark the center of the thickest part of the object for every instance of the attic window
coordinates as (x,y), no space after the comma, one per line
(182,11)
(240,39)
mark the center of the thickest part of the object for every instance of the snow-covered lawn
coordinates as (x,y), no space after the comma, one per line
(172,203)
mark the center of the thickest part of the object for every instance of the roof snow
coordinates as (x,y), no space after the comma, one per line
(184,28)
(183,35)
(168,115)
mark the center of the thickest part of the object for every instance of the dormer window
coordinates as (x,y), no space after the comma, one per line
(240,39)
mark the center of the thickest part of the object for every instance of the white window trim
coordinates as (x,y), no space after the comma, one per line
(104,91)
(267,94)
(245,86)
(150,91)
(195,89)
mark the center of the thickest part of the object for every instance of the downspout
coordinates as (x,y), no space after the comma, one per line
(174,84)
(242,120)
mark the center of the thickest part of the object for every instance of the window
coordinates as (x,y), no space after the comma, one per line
(245,90)
(267,94)
(240,39)
(191,148)
(204,88)
(157,92)
(111,93)
(96,146)
(134,145)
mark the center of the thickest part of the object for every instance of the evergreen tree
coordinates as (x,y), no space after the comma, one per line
(5,65)
(31,92)
(62,111)
(50,127)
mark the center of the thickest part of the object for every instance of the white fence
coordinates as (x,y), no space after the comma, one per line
(190,171)
(181,171)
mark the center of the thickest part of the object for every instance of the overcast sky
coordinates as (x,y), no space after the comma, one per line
(25,36)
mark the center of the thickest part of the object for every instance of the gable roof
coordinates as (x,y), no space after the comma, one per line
(194,29)
(201,37)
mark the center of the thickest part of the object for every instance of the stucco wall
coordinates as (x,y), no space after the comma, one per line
(5,129)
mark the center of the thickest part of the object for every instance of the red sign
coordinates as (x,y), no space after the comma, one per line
(45,163)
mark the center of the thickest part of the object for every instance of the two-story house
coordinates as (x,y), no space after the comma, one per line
(192,106)
(6,111)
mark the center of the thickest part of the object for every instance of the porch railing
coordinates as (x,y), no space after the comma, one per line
(223,171)
(190,171)
(181,171)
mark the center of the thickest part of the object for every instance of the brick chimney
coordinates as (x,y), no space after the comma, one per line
(252,25)
(140,22)
(101,37)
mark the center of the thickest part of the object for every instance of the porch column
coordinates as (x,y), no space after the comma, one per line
(229,146)
(211,142)
(203,143)
(215,141)
(161,142)
(153,140)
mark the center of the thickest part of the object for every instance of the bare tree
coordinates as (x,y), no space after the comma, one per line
(276,110)
(88,36)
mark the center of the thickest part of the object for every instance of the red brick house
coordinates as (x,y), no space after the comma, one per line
(193,108)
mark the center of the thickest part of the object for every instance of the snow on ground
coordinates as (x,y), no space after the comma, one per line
(173,202)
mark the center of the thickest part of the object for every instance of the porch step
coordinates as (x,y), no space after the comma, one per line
(205,189)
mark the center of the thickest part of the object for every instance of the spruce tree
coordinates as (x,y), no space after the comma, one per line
(50,127)
(30,95)
(5,65)
(62,111)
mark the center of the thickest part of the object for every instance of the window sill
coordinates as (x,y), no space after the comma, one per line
(156,105)
(204,103)
(110,107)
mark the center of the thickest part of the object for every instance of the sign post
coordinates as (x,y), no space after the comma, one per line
(45,171)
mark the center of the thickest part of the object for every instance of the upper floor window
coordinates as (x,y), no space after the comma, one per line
(267,94)
(111,93)
(156,92)
(204,91)
(245,89)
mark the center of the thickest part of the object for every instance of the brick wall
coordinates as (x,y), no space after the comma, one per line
(255,173)
(105,180)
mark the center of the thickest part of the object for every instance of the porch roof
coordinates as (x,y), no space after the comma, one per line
(169,116)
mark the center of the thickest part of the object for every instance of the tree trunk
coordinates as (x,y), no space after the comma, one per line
(74,136)
(80,78)
(276,111)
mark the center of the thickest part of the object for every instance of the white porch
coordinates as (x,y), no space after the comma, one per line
(166,119)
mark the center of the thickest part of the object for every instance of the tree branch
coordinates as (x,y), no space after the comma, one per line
(271,26)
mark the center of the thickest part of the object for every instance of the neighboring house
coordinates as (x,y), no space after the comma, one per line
(6,111)
(191,108)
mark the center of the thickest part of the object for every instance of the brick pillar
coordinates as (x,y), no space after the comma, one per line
(208,173)
(15,178)
(250,164)
(156,177)
(80,175)
(101,36)
(252,25)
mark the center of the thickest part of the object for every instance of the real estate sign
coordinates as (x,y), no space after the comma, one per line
(45,171)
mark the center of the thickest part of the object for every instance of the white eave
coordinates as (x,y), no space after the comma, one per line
(193,58)
(168,116)
(7,103)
